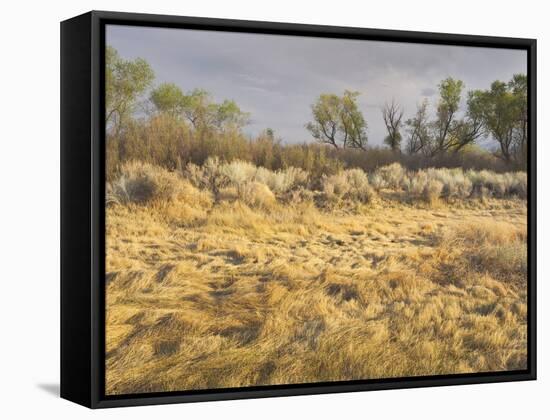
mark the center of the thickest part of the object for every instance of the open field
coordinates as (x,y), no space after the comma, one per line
(207,292)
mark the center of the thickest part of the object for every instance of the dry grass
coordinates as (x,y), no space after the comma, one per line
(246,289)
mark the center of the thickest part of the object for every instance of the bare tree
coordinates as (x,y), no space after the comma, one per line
(393,115)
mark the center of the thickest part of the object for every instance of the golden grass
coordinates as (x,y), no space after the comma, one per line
(208,295)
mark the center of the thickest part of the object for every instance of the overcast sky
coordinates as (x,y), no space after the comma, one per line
(276,78)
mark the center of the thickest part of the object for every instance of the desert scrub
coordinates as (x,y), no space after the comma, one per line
(351,184)
(415,183)
(389,176)
(455,183)
(282,181)
(208,176)
(257,195)
(237,172)
(252,193)
(499,185)
(432,191)
(216,175)
(140,183)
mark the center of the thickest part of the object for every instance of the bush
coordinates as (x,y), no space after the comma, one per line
(141,183)
(517,184)
(282,181)
(335,186)
(499,185)
(360,188)
(351,184)
(376,181)
(432,190)
(257,195)
(415,184)
(455,183)
(215,175)
(207,176)
(389,176)
(237,172)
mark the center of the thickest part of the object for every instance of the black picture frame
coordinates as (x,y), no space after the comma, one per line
(83,210)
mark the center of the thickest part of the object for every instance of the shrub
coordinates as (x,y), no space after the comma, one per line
(352,184)
(392,175)
(499,185)
(257,195)
(432,190)
(299,195)
(518,184)
(335,186)
(415,184)
(377,182)
(358,182)
(455,182)
(237,172)
(281,181)
(142,182)
(355,184)
(208,176)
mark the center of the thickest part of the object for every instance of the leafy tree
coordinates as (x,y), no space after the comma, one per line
(203,113)
(450,91)
(125,81)
(393,115)
(447,132)
(168,98)
(518,86)
(326,113)
(419,139)
(198,108)
(467,130)
(229,115)
(504,115)
(338,121)
(353,123)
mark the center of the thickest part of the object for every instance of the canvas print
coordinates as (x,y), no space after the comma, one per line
(296,210)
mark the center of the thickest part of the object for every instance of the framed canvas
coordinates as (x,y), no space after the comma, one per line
(254,209)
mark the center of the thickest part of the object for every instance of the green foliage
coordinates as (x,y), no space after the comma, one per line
(446,133)
(503,112)
(228,115)
(419,140)
(190,127)
(450,91)
(125,81)
(203,113)
(338,121)
(169,98)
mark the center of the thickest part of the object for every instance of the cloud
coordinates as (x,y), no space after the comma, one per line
(276,78)
(428,91)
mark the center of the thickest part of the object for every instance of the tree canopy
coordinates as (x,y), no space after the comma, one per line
(503,113)
(338,121)
(198,107)
(125,81)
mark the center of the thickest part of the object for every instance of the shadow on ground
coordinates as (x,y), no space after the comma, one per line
(52,389)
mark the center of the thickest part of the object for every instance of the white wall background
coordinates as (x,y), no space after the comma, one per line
(29,208)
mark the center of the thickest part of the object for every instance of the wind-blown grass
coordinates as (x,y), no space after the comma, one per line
(229,278)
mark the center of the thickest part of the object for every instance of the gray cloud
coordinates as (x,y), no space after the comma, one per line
(276,78)
(428,91)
